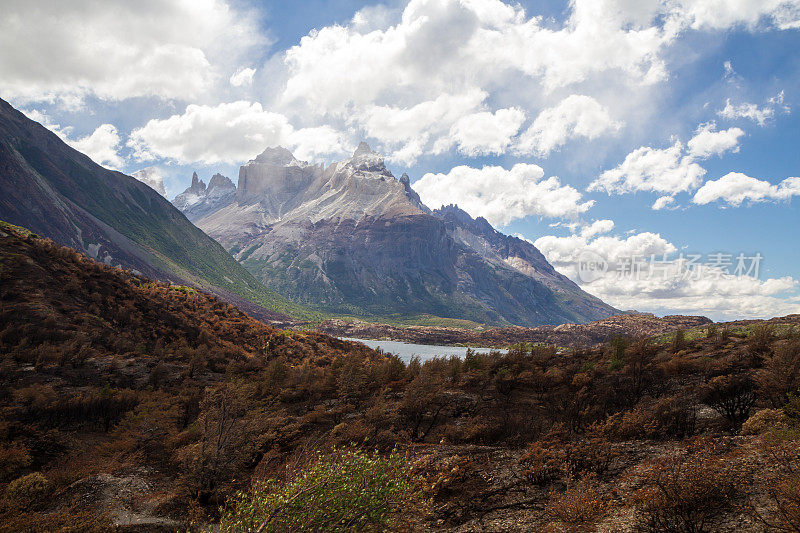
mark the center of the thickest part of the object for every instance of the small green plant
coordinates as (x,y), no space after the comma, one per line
(184,289)
(345,490)
(28,490)
(679,341)
(617,346)
(792,410)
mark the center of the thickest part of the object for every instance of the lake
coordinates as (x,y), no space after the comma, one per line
(406,350)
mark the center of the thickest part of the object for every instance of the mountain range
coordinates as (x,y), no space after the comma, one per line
(352,239)
(60,193)
(296,238)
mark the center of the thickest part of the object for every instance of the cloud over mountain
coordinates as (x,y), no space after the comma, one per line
(500,195)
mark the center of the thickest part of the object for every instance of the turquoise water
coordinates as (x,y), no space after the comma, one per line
(406,350)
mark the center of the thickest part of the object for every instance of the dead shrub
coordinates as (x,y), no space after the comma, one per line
(779,510)
(686,492)
(28,491)
(580,507)
(780,375)
(556,456)
(666,418)
(13,458)
(732,396)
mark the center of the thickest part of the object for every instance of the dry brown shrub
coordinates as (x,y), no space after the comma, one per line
(13,458)
(681,366)
(759,343)
(579,508)
(780,375)
(686,492)
(732,396)
(557,456)
(62,521)
(665,418)
(779,482)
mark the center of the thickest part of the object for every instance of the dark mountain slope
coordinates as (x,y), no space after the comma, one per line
(506,251)
(60,193)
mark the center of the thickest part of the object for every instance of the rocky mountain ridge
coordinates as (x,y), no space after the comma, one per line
(350,238)
(198,200)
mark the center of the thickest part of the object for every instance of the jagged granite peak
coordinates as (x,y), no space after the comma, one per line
(498,248)
(275,179)
(276,185)
(406,182)
(510,251)
(351,238)
(454,213)
(198,200)
(197,186)
(363,148)
(367,162)
(220,182)
(279,156)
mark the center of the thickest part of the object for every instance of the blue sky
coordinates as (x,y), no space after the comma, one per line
(565,123)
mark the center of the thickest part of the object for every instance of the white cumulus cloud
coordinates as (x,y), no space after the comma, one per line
(723,14)
(408,132)
(118,49)
(243,76)
(663,202)
(735,188)
(153,178)
(229,132)
(501,195)
(309,144)
(668,170)
(486,133)
(102,145)
(759,115)
(379,71)
(576,116)
(649,169)
(596,228)
(666,282)
(708,142)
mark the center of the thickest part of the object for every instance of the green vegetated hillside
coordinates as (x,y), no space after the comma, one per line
(134,405)
(61,194)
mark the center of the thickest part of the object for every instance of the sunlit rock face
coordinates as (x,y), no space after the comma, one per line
(352,238)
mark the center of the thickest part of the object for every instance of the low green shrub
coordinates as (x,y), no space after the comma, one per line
(345,490)
(28,489)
